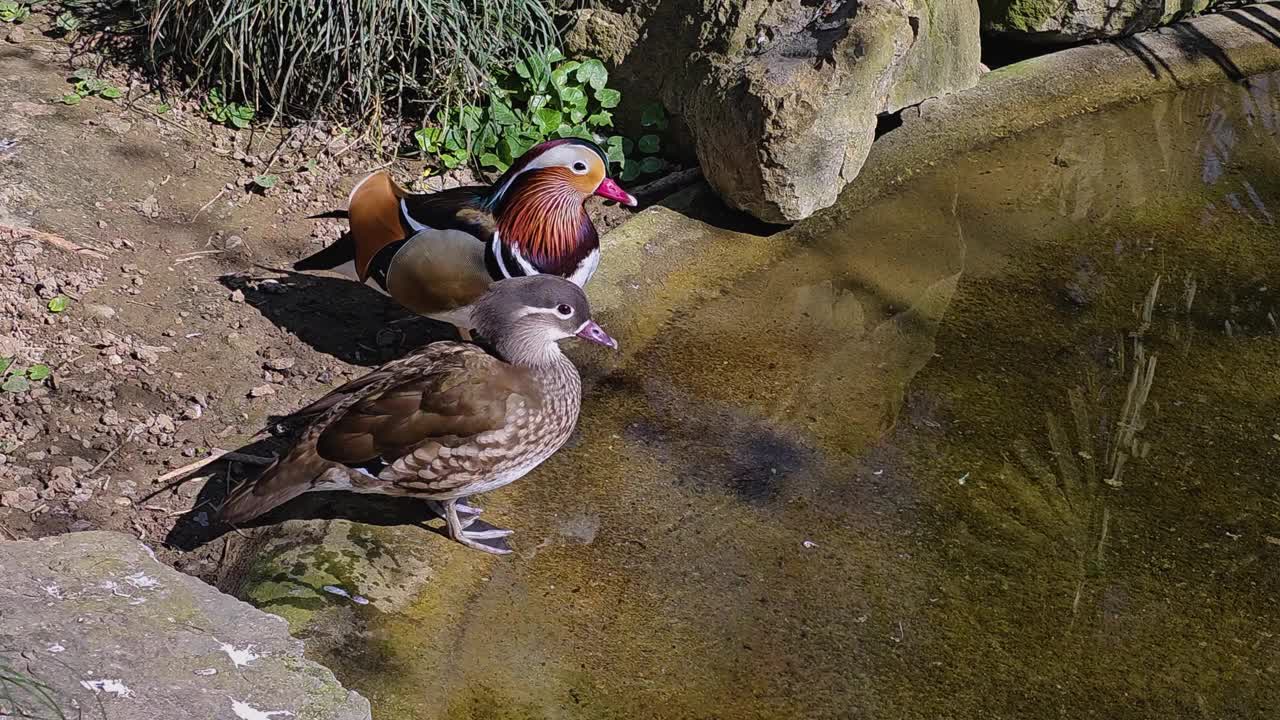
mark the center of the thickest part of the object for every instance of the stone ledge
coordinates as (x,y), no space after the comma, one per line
(1222,47)
(114,634)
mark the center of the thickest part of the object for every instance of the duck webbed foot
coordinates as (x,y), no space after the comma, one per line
(457,528)
(467,514)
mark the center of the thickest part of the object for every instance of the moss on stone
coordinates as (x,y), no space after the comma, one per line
(1026,16)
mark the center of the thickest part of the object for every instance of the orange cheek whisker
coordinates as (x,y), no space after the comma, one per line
(543,216)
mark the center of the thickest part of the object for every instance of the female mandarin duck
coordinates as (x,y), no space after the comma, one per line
(449,420)
(437,253)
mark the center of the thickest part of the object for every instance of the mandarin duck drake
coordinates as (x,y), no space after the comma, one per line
(448,421)
(436,253)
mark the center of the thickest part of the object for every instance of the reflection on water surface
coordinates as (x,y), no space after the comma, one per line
(1003,444)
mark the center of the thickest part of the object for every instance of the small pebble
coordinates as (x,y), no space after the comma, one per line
(280,364)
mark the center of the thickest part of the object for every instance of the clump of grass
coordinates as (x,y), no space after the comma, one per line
(355,60)
(22,696)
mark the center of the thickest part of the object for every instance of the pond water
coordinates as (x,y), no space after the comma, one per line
(1003,444)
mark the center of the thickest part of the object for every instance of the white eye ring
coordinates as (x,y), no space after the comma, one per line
(579,168)
(564,310)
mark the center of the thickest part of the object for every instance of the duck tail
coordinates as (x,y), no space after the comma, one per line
(330,215)
(281,482)
(341,252)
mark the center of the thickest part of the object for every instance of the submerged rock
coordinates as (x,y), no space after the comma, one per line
(111,631)
(781,97)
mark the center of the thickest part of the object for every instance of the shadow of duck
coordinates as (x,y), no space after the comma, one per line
(335,316)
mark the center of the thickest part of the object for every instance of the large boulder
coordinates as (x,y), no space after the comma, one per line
(91,625)
(780,97)
(1052,22)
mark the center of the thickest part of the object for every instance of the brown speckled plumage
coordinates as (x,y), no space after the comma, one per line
(449,420)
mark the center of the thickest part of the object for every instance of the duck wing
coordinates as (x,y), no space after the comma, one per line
(380,213)
(434,421)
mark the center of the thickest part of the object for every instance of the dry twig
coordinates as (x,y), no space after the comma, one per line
(107,459)
(56,241)
(214,456)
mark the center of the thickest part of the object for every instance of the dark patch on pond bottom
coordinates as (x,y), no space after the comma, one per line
(1022,479)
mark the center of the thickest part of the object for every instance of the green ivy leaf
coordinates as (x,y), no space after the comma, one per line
(548,120)
(83,73)
(239,122)
(4,365)
(654,115)
(454,141)
(604,118)
(471,117)
(651,164)
(559,78)
(574,97)
(569,67)
(501,113)
(493,161)
(649,144)
(517,143)
(488,138)
(537,102)
(39,372)
(577,115)
(71,98)
(454,159)
(111,92)
(16,384)
(522,69)
(428,139)
(67,22)
(539,73)
(613,150)
(592,72)
(58,303)
(554,55)
(161,108)
(628,146)
(266,182)
(96,85)
(630,171)
(608,97)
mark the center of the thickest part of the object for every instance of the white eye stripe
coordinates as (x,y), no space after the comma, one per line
(562,156)
(543,311)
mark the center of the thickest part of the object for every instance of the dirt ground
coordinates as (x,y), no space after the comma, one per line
(177,337)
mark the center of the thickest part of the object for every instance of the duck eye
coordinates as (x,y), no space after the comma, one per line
(580,167)
(564,310)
